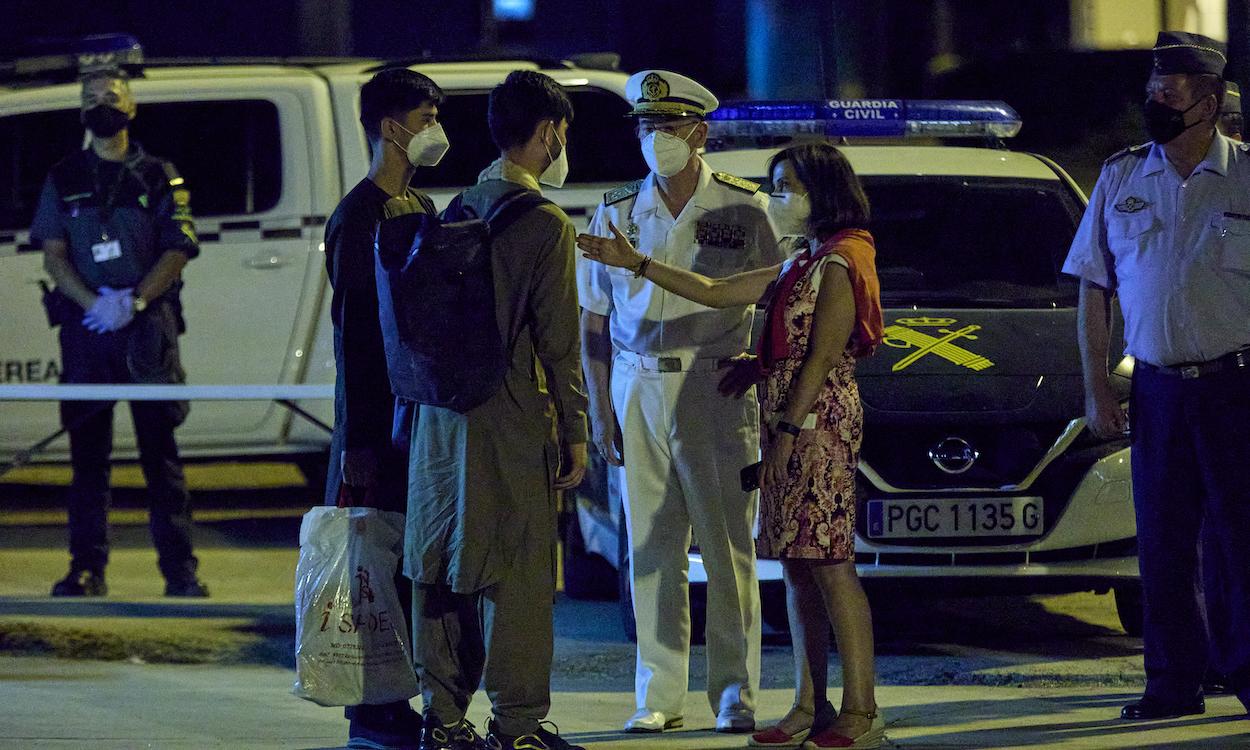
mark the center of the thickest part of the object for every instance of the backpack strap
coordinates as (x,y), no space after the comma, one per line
(510,207)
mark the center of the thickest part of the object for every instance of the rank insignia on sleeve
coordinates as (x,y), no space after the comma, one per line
(1131,205)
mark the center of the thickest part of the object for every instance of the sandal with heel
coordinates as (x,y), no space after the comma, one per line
(869,740)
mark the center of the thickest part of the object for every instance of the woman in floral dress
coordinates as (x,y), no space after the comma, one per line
(823,312)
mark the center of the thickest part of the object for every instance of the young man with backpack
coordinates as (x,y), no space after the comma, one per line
(399,112)
(482,491)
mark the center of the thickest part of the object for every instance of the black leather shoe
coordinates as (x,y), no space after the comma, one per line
(1215,683)
(192,587)
(81,583)
(1150,707)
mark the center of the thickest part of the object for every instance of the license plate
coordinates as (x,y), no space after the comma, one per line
(954,518)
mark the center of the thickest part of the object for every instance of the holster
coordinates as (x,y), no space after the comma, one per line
(58,306)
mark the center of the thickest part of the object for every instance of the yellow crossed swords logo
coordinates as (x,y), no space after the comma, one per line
(903,335)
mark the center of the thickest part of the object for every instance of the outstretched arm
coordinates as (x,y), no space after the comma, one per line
(739,289)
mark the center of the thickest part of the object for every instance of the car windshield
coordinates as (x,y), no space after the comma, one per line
(972,242)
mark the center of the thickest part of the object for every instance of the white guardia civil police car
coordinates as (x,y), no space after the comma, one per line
(267,147)
(977,473)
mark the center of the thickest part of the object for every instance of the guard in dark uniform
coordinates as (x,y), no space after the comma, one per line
(115,227)
(1167,231)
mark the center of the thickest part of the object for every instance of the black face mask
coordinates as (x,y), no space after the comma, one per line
(1164,123)
(105,121)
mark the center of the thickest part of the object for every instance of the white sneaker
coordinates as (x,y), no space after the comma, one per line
(648,721)
(735,720)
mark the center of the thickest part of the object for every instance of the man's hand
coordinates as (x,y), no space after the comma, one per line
(1103,412)
(572,466)
(614,251)
(606,435)
(112,310)
(742,372)
(360,467)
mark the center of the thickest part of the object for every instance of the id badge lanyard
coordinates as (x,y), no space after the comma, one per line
(110,201)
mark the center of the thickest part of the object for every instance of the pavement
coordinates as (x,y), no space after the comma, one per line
(137,670)
(57,703)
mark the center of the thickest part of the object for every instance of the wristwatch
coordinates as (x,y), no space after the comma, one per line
(788,428)
(139,304)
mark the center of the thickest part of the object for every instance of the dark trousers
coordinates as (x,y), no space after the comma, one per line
(1191,466)
(144,352)
(503,632)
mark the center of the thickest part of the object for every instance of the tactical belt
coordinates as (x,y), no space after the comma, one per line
(1237,360)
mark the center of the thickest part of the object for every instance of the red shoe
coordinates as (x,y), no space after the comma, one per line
(776,737)
(869,740)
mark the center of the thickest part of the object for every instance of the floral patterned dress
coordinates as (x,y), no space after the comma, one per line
(812,515)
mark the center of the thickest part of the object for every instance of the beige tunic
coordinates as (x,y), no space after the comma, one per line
(480,483)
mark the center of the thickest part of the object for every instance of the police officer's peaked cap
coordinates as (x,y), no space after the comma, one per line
(1232,99)
(1182,52)
(660,93)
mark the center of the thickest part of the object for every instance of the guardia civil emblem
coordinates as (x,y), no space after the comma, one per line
(905,334)
(654,88)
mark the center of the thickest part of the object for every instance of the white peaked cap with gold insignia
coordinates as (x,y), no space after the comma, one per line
(662,93)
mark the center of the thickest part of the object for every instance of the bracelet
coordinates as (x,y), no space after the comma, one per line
(788,428)
(642,267)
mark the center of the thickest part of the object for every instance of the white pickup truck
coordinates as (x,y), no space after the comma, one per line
(267,149)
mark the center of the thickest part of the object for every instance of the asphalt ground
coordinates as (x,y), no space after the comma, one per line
(135,669)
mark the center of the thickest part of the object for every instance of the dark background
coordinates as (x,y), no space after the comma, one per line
(1078,107)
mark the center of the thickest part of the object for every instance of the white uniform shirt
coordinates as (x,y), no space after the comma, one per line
(1177,251)
(723,230)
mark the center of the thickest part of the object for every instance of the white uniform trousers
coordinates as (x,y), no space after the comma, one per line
(684,446)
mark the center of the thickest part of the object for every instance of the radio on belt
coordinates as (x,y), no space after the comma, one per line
(766,123)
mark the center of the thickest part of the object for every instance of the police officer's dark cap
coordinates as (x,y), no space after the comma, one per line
(1182,52)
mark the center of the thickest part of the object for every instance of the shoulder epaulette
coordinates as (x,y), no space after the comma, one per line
(736,182)
(171,174)
(618,194)
(1140,151)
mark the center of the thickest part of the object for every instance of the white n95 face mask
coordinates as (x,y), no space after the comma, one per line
(427,147)
(666,154)
(558,170)
(790,212)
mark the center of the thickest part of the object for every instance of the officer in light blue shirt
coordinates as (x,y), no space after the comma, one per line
(1167,232)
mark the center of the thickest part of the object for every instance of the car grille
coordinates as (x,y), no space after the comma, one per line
(1005,454)
(1104,551)
(1055,484)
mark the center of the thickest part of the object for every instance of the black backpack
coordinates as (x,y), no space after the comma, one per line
(436,301)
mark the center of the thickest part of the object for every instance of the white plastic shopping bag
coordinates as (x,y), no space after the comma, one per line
(350,644)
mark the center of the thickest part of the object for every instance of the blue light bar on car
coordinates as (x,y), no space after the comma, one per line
(72,57)
(861,118)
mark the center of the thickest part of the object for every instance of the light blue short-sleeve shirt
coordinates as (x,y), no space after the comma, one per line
(1175,250)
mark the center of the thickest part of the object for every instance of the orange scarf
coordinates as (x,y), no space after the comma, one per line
(856,247)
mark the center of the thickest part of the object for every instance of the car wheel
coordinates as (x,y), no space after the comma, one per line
(314,467)
(586,575)
(773,606)
(1128,605)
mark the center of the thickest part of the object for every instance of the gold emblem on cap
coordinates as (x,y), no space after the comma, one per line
(654,88)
